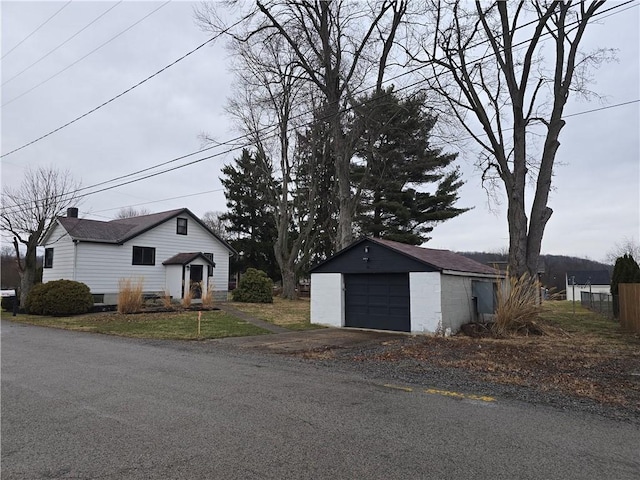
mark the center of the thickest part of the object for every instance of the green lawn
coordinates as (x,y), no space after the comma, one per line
(291,314)
(173,325)
(584,322)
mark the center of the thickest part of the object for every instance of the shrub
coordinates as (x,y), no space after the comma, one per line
(130,295)
(59,297)
(254,287)
(518,305)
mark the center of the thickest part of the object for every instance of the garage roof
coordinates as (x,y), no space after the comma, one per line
(441,259)
(433,259)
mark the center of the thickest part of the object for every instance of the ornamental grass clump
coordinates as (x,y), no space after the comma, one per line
(207,295)
(518,306)
(187,298)
(130,295)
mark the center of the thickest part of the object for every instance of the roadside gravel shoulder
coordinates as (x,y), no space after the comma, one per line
(423,374)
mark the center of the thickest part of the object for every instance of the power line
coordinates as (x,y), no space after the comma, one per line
(217,36)
(156,201)
(64,43)
(37,28)
(264,129)
(85,56)
(124,92)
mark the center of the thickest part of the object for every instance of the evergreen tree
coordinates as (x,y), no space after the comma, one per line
(251,226)
(626,270)
(395,163)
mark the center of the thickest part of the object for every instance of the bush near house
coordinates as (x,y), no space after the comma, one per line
(254,287)
(59,297)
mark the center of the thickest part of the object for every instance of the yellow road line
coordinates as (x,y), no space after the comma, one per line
(398,387)
(448,393)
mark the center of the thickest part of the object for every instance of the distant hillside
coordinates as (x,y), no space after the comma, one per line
(555,266)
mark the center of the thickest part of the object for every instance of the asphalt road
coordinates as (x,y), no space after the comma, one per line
(78,405)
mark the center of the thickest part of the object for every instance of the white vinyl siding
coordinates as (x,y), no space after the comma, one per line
(102,265)
(63,249)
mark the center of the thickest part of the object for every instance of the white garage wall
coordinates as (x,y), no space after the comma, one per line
(327,299)
(425,302)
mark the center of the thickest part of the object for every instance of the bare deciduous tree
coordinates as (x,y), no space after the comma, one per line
(628,246)
(486,62)
(216,223)
(269,93)
(129,212)
(30,209)
(336,46)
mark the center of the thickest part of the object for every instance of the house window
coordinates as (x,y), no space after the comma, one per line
(209,267)
(48,258)
(181,228)
(144,256)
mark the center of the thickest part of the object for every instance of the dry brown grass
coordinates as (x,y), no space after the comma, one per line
(292,314)
(518,306)
(582,354)
(130,295)
(207,295)
(187,298)
(166,300)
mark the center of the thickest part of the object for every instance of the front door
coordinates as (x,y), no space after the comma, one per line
(195,282)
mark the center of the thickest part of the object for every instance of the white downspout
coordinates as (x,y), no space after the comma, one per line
(75,258)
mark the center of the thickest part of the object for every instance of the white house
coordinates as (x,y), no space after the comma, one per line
(170,251)
(384,285)
(592,281)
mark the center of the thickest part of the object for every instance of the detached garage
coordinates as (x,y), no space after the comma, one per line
(384,285)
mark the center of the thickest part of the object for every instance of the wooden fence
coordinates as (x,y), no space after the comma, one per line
(629,306)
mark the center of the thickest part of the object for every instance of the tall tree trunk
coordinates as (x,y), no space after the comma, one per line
(27,273)
(289,283)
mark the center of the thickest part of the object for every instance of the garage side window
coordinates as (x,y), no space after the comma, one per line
(144,256)
(48,258)
(485,295)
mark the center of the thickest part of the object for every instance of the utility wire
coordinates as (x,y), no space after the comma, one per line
(348,108)
(124,92)
(83,57)
(217,36)
(38,28)
(63,43)
(156,201)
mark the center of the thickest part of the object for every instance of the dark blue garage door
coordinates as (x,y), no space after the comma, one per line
(379,300)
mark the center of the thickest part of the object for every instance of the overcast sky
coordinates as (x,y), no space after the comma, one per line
(596,197)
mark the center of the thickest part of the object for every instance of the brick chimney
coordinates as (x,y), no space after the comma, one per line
(72,212)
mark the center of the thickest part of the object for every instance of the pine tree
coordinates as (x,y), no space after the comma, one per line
(252,229)
(396,164)
(625,270)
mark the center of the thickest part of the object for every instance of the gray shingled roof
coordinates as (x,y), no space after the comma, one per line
(184,258)
(121,230)
(590,277)
(114,231)
(441,259)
